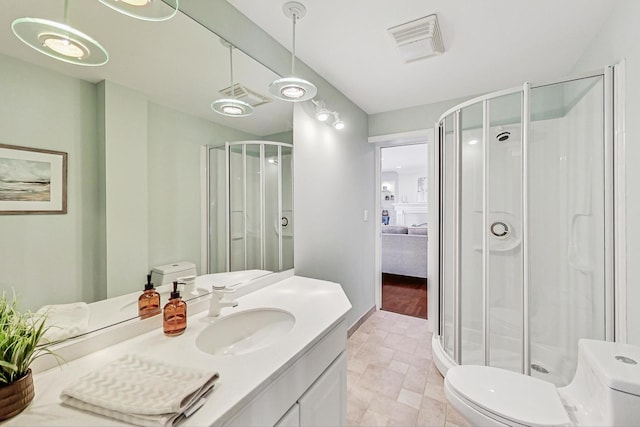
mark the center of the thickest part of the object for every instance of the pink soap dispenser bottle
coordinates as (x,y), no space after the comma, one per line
(149,301)
(174,320)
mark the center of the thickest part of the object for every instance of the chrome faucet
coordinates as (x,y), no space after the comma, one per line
(218,300)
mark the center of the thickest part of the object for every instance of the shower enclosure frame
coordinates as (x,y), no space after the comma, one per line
(614,219)
(205,167)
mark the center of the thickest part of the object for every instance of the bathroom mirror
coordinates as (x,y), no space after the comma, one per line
(133,131)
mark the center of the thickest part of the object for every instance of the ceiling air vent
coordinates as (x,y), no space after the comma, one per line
(244,94)
(418,39)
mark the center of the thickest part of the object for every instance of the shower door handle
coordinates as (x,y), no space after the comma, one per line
(499,229)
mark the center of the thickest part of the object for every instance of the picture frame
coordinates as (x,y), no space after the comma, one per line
(32,181)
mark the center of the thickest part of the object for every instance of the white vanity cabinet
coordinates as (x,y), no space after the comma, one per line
(311,392)
(325,403)
(291,418)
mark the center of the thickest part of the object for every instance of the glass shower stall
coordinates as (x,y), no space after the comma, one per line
(525,257)
(248,212)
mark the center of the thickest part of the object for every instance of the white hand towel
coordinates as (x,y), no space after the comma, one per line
(65,320)
(140,390)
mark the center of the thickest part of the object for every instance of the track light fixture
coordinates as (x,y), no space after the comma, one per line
(323,114)
(293,89)
(337,123)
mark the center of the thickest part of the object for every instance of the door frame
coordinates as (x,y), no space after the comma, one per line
(421,136)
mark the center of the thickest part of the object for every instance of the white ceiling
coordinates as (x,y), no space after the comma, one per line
(489,44)
(177,63)
(405,159)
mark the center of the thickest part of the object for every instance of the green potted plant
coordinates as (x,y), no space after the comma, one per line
(20,334)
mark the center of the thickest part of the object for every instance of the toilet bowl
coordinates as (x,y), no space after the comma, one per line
(605,391)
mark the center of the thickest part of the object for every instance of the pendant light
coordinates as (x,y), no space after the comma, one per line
(60,41)
(231,107)
(293,89)
(147,10)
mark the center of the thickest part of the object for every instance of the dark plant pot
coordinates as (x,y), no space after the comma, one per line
(16,396)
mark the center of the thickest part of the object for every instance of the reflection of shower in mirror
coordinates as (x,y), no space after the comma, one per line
(253,229)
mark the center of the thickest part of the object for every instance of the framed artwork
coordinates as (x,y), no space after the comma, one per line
(32,181)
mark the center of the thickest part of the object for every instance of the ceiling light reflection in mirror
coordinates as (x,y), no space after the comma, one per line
(59,40)
(147,10)
(231,107)
(159,64)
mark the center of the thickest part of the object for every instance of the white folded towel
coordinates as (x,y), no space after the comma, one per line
(65,320)
(141,390)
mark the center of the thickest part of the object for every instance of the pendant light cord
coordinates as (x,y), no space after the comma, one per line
(66,12)
(233,91)
(293,50)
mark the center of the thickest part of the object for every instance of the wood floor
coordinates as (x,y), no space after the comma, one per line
(404,295)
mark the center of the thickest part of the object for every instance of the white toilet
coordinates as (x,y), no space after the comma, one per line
(166,274)
(605,391)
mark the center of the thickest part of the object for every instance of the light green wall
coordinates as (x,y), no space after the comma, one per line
(410,119)
(133,186)
(173,173)
(125,151)
(51,258)
(617,40)
(333,185)
(280,137)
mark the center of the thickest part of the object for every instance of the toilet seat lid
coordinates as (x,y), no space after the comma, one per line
(510,395)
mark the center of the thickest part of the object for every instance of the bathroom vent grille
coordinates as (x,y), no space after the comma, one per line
(245,94)
(418,39)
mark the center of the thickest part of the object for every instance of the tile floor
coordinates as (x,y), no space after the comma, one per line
(391,378)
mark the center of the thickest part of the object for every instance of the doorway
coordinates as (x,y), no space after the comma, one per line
(403,210)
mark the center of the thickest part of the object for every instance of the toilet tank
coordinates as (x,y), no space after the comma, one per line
(606,387)
(166,274)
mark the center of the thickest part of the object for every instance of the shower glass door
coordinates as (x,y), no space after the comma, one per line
(526,229)
(447,233)
(567,223)
(286,171)
(236,201)
(503,231)
(470,233)
(253,228)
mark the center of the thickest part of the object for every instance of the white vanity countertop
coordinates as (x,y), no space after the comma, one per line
(317,305)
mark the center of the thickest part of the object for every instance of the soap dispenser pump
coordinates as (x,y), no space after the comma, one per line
(149,301)
(174,320)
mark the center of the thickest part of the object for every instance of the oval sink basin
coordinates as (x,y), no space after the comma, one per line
(245,332)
